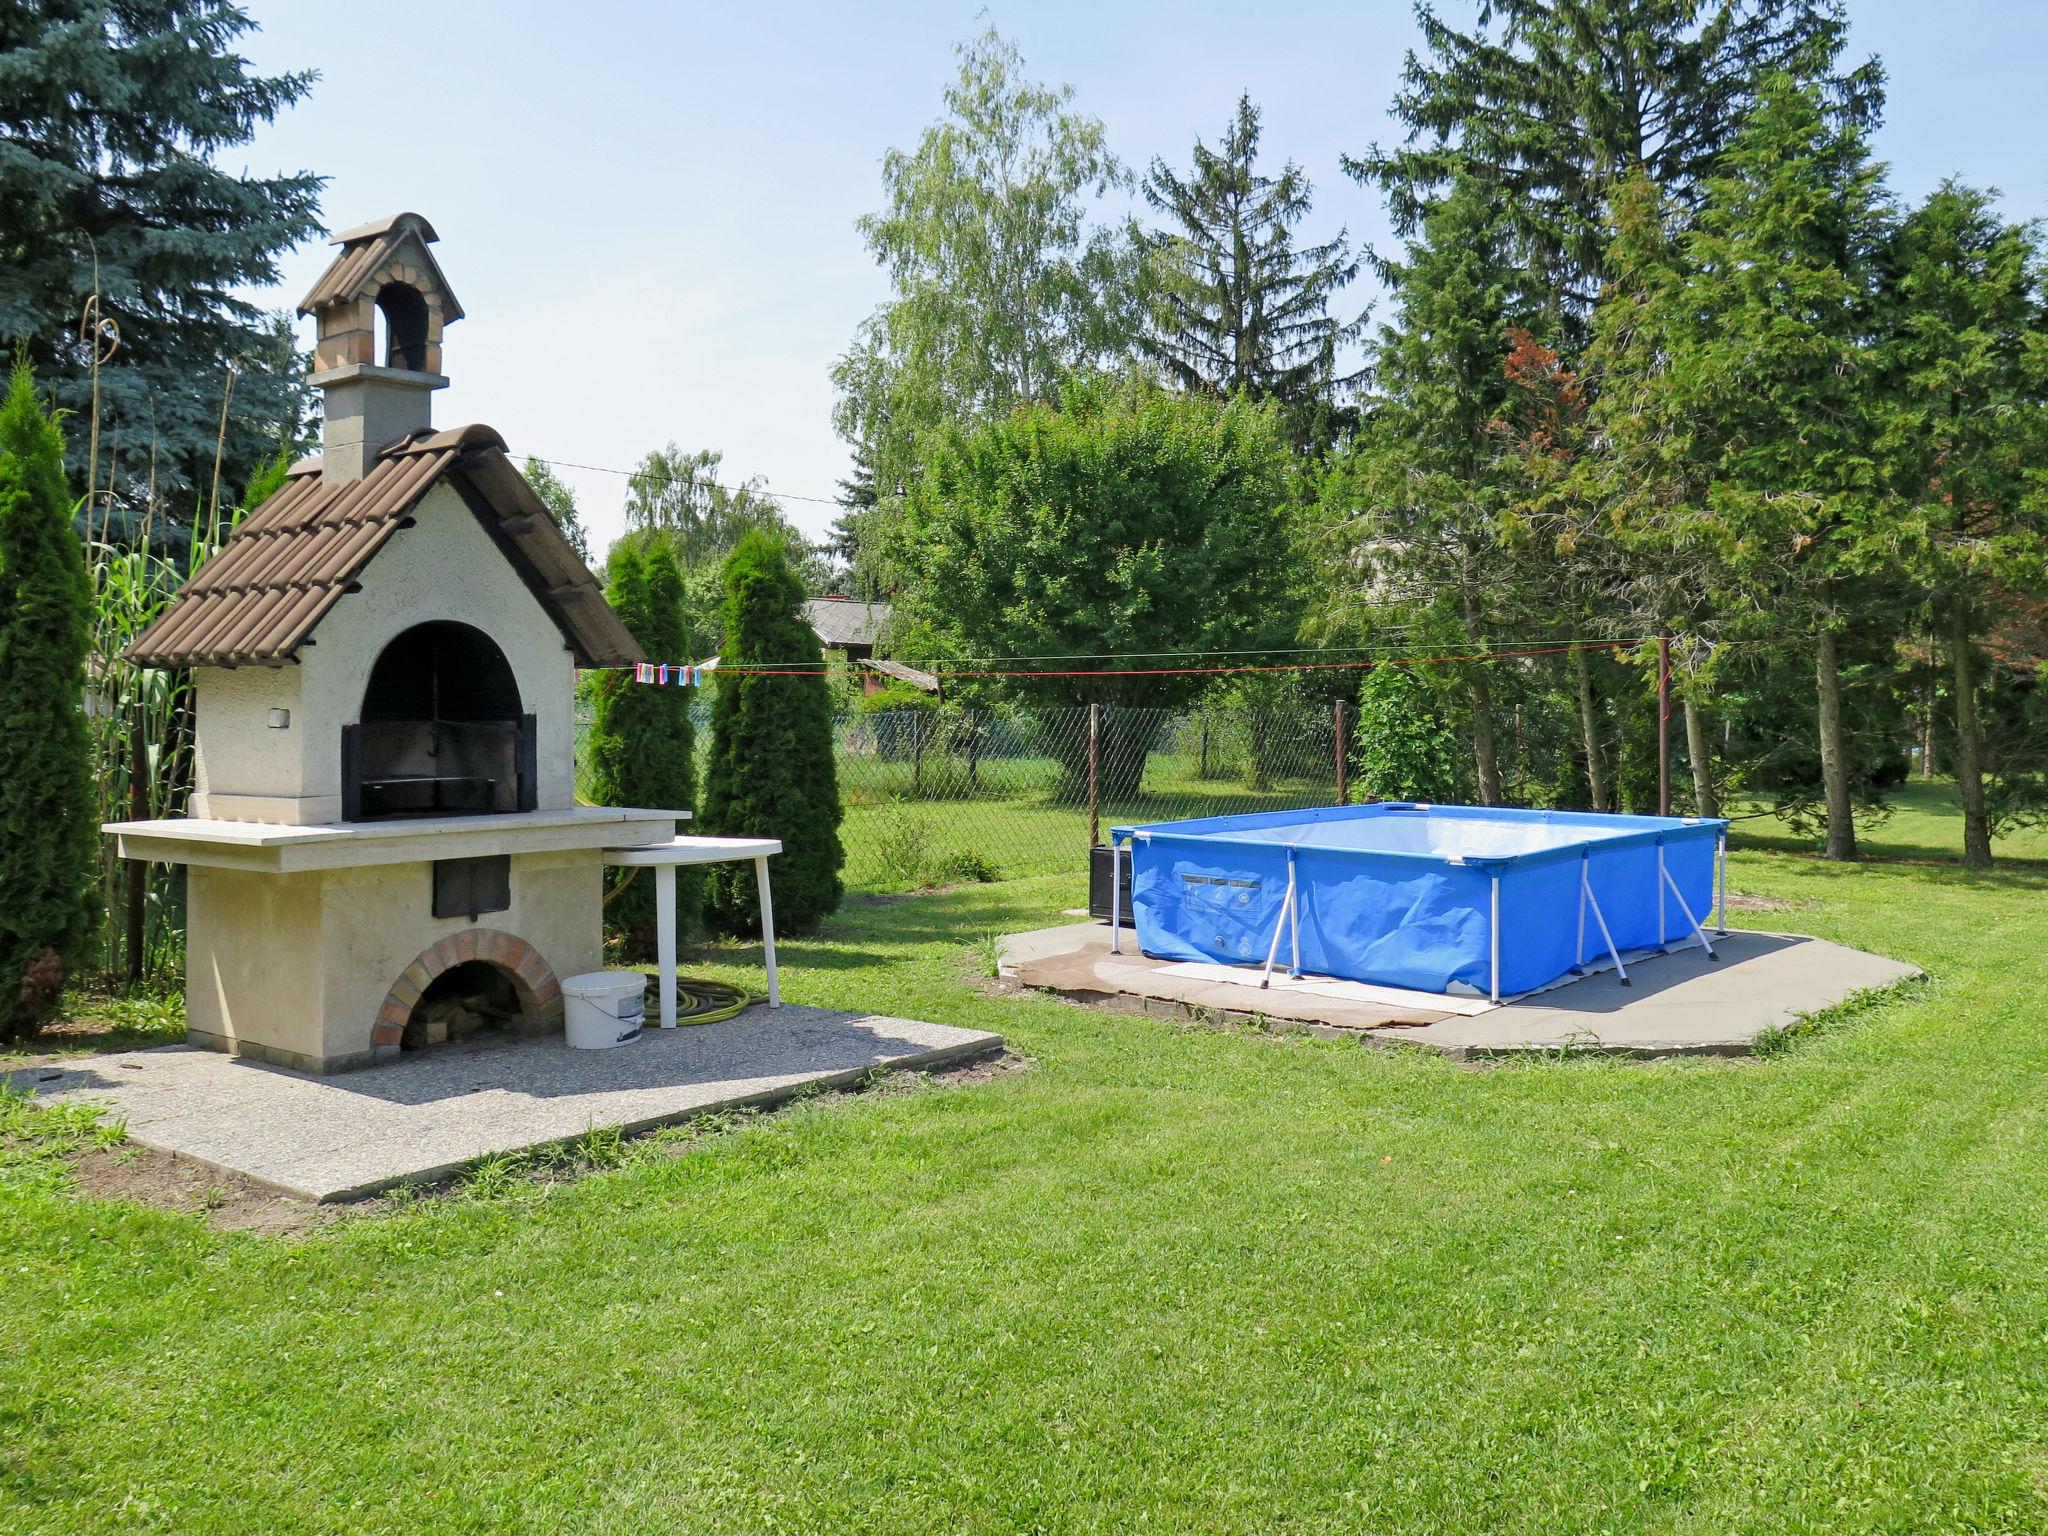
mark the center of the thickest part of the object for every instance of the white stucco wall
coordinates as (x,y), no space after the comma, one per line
(245,769)
(445,567)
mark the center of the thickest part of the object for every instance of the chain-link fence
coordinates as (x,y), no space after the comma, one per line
(933,796)
(944,794)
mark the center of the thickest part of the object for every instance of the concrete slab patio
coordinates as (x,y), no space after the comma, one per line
(1678,1003)
(435,1111)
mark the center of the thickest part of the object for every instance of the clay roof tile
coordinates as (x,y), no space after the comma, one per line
(293,558)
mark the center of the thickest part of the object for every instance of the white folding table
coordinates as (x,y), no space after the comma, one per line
(663,858)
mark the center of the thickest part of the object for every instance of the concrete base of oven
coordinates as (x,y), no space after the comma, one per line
(316,970)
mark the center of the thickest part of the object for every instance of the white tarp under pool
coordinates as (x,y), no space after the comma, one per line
(1437,898)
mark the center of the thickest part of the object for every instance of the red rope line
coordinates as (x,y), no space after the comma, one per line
(1292,666)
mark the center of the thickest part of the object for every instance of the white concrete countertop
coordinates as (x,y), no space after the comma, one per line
(281,847)
(696,850)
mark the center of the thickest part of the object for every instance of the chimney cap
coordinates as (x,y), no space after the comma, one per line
(385,226)
(372,253)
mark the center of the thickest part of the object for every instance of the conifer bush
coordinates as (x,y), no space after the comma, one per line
(47,913)
(641,739)
(1405,750)
(771,771)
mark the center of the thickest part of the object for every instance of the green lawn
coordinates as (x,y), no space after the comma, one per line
(899,837)
(1164,1280)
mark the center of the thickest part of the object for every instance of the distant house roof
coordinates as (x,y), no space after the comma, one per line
(924,682)
(292,559)
(840,622)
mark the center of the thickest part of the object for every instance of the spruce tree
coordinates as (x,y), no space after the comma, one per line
(111,117)
(771,772)
(1768,356)
(1419,501)
(1556,102)
(1966,435)
(1238,306)
(641,740)
(47,915)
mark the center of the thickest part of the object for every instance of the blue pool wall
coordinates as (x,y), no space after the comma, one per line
(1201,890)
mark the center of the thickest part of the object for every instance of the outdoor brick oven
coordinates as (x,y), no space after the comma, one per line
(384,658)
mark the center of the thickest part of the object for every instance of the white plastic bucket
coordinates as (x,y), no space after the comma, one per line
(603,1008)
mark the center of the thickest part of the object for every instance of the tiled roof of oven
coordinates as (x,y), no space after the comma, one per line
(841,622)
(293,558)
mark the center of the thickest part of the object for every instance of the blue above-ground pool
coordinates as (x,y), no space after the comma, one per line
(1438,898)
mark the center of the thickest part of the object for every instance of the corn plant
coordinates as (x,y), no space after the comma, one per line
(141,721)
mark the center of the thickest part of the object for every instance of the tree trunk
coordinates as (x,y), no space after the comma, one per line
(1969,744)
(1834,766)
(1700,753)
(1927,735)
(1485,755)
(1589,724)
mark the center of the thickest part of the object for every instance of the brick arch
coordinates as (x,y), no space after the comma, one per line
(539,992)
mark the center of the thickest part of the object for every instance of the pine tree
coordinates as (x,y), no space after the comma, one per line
(771,772)
(1966,435)
(1238,306)
(112,117)
(47,916)
(1642,541)
(642,739)
(1419,500)
(1769,357)
(1556,102)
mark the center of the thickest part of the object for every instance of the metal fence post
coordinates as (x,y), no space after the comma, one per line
(1663,729)
(1343,751)
(1094,775)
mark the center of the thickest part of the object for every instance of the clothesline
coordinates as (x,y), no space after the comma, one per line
(671,674)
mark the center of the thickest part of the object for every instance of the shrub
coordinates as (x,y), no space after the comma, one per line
(47,914)
(1405,751)
(771,772)
(904,849)
(640,738)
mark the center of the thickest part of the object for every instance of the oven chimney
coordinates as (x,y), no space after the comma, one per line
(379,310)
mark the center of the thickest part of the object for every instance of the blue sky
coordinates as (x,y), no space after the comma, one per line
(647,210)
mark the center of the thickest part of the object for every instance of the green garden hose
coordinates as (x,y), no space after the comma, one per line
(699,1001)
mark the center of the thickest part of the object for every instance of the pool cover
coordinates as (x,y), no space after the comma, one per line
(1439,898)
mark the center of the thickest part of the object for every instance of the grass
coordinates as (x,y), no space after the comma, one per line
(1016,823)
(1166,1279)
(97,1018)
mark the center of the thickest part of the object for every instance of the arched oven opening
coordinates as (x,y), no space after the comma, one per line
(441,732)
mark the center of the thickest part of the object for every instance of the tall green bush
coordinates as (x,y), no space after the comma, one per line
(771,771)
(641,739)
(1405,750)
(47,912)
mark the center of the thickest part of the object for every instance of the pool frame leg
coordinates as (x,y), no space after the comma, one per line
(1661,878)
(1116,916)
(1294,919)
(1586,892)
(1579,948)
(1721,883)
(1286,914)
(1679,897)
(1494,940)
